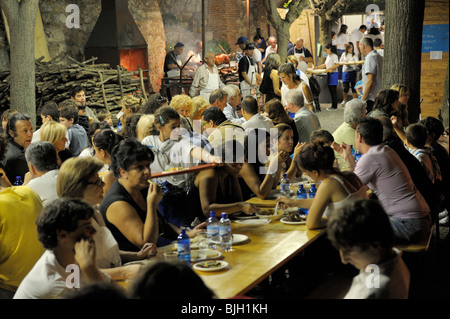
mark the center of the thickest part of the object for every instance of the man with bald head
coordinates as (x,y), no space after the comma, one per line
(303,55)
(206,79)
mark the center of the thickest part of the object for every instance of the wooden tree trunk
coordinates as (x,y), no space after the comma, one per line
(403,49)
(445,109)
(21,17)
(325,35)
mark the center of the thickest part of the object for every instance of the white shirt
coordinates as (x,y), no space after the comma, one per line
(331,60)
(355,37)
(258,121)
(349,58)
(47,280)
(270,50)
(341,41)
(392,283)
(232,115)
(45,186)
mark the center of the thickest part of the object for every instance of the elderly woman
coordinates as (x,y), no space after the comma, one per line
(130,206)
(55,133)
(183,105)
(354,111)
(199,104)
(78,179)
(130,105)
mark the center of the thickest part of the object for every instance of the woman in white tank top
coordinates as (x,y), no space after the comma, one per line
(336,188)
(291,81)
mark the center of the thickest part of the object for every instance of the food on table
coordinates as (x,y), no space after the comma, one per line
(210,264)
(295,217)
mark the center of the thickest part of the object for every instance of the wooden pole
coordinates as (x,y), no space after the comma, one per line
(141,76)
(119,78)
(103,90)
(248,19)
(203,29)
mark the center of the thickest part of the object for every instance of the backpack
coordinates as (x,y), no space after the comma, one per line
(314,85)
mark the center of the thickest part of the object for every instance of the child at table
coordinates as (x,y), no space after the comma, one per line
(363,234)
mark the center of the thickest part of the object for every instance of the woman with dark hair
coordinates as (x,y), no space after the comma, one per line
(218,188)
(104,142)
(130,208)
(276,112)
(292,81)
(331,67)
(175,147)
(317,162)
(270,84)
(349,72)
(386,104)
(262,172)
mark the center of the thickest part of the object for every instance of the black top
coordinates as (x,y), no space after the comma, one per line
(244,65)
(15,163)
(170,59)
(266,87)
(118,193)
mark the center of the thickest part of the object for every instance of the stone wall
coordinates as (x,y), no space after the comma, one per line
(62,40)
(162,23)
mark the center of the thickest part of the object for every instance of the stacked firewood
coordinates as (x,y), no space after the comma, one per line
(104,86)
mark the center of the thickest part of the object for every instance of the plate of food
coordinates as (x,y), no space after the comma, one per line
(269,214)
(294,218)
(211,265)
(206,254)
(239,239)
(242,215)
(254,222)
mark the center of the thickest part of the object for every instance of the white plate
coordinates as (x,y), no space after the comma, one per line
(285,221)
(254,222)
(237,239)
(207,254)
(220,265)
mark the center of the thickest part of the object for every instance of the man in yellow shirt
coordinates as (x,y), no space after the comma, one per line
(20,247)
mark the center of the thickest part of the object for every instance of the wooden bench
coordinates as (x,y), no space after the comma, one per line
(418,247)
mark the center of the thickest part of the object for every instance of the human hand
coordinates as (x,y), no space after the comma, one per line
(297,149)
(249,208)
(284,202)
(85,253)
(147,251)
(154,194)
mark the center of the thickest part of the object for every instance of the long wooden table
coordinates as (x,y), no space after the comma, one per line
(269,247)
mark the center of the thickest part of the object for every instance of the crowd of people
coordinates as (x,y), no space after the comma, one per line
(88,184)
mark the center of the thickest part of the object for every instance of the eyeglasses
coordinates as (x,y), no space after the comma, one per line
(98,182)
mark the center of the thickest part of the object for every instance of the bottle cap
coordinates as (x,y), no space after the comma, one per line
(212,214)
(284,175)
(224,215)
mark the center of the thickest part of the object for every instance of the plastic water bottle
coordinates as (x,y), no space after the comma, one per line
(119,126)
(184,247)
(212,230)
(302,194)
(285,186)
(226,238)
(353,151)
(357,156)
(312,191)
(18,181)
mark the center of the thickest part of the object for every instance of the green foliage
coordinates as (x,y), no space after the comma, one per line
(213,46)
